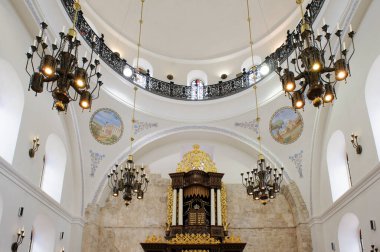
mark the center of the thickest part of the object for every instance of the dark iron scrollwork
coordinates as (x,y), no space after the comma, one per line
(184,92)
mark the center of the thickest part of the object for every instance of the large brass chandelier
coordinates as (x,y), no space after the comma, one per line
(67,79)
(263,182)
(314,65)
(127,177)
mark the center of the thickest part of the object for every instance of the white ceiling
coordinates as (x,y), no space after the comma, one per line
(193,29)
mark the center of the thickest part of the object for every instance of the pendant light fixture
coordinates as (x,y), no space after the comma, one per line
(263,182)
(314,66)
(67,79)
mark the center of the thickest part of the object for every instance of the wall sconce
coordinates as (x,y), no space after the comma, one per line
(373,225)
(63,250)
(373,249)
(34,149)
(333,246)
(20,211)
(20,238)
(355,144)
(61,234)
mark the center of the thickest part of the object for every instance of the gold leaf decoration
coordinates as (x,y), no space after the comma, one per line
(193,239)
(223,199)
(154,239)
(169,207)
(196,160)
(232,239)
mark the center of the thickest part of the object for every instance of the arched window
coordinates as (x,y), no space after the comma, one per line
(349,233)
(43,235)
(11,107)
(372,89)
(197,80)
(337,165)
(54,167)
(197,89)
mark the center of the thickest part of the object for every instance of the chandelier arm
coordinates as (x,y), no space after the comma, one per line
(27,71)
(353,49)
(297,68)
(32,63)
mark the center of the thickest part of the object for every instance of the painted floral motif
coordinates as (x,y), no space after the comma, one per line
(96,158)
(251,125)
(297,160)
(141,126)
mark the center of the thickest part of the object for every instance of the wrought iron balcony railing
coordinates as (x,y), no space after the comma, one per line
(185,92)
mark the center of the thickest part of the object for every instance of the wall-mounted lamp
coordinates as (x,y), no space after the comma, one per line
(34,149)
(333,246)
(20,211)
(374,249)
(20,238)
(355,144)
(61,234)
(373,225)
(63,250)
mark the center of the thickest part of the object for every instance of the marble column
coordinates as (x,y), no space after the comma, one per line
(174,210)
(218,208)
(180,207)
(212,206)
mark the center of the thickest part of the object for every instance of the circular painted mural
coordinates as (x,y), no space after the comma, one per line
(286,125)
(106,126)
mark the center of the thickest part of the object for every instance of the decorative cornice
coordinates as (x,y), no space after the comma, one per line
(9,173)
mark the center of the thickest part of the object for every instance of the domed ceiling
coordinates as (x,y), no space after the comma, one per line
(180,36)
(193,29)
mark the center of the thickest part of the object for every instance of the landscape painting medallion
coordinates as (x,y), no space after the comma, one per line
(286,125)
(106,126)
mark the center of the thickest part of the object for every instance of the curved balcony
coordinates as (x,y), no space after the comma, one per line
(185,92)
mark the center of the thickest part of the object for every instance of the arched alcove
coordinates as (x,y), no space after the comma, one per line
(43,235)
(337,165)
(348,233)
(144,64)
(247,64)
(11,107)
(372,89)
(54,167)
(196,74)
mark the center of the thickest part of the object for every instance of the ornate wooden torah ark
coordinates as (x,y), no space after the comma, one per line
(197,210)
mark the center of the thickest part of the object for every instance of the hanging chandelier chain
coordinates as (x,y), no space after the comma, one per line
(254,76)
(140,31)
(258,120)
(250,33)
(133,121)
(300,2)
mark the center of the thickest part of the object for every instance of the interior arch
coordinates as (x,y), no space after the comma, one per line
(348,233)
(372,88)
(11,108)
(162,152)
(55,165)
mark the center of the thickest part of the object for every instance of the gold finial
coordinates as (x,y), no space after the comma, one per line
(299,1)
(196,160)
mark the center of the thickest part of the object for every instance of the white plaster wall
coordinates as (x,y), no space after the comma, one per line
(38,120)
(350,114)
